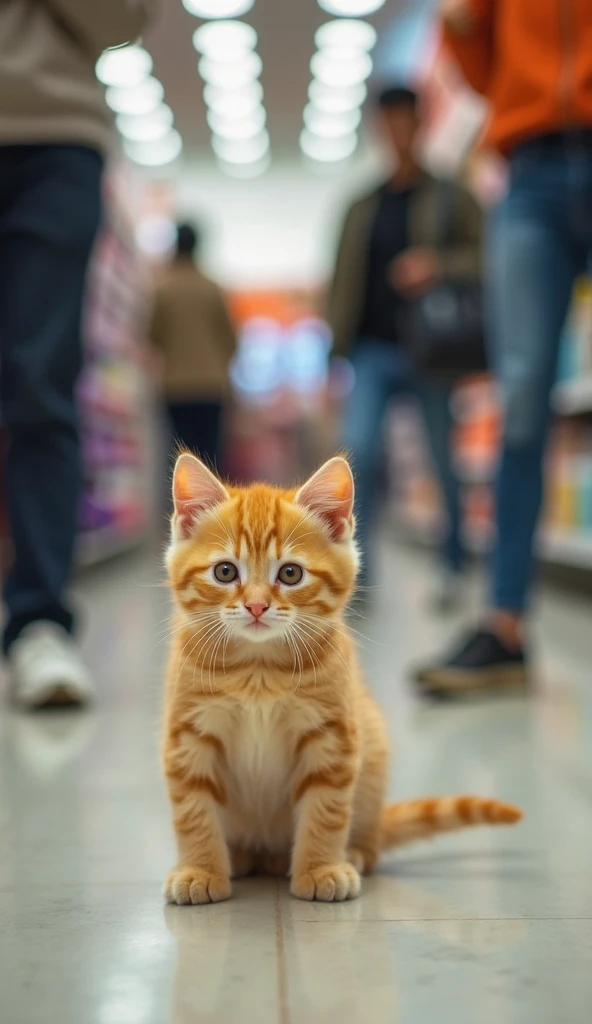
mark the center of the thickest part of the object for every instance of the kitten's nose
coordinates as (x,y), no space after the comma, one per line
(256,608)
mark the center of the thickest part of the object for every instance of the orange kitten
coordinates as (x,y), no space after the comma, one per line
(275,753)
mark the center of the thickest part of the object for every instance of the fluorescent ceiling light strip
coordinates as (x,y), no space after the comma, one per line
(336,100)
(341,67)
(148,127)
(214,9)
(231,74)
(126,66)
(233,103)
(224,39)
(331,126)
(155,154)
(237,127)
(348,32)
(327,150)
(141,99)
(350,8)
(243,151)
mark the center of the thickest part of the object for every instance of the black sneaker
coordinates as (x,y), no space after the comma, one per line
(483,662)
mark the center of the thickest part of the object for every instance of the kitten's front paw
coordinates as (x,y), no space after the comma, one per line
(329,884)
(186,886)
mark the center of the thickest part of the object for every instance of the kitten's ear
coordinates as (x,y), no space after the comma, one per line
(330,493)
(195,489)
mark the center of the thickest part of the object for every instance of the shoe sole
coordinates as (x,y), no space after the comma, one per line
(454,682)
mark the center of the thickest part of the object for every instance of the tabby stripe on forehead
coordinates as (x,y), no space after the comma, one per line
(277,524)
(240,525)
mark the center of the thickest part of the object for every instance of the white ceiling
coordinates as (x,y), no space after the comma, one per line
(286,44)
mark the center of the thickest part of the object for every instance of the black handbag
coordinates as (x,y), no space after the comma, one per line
(446,324)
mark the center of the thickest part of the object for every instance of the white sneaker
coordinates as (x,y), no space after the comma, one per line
(47,669)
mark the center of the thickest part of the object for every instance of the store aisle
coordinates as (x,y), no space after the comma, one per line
(482,925)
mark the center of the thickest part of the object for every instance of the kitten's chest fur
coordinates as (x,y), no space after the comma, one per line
(259,740)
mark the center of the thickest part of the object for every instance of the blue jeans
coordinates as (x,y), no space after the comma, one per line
(384,371)
(539,241)
(50,202)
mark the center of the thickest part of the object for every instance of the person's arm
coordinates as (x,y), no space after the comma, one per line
(419,267)
(104,23)
(468,32)
(344,284)
(462,258)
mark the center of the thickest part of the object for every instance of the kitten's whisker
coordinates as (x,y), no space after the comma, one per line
(314,662)
(324,633)
(327,640)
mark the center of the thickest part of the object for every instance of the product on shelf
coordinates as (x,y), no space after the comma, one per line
(113,390)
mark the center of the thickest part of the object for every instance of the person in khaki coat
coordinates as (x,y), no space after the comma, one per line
(54,131)
(391,249)
(192,331)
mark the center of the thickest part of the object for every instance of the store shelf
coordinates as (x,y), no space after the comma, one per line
(97,546)
(569,548)
(574,397)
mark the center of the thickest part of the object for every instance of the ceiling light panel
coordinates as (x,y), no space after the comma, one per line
(148,127)
(155,154)
(331,126)
(336,100)
(339,66)
(125,66)
(231,74)
(350,8)
(139,99)
(243,151)
(224,39)
(237,127)
(218,8)
(230,68)
(327,150)
(233,103)
(346,32)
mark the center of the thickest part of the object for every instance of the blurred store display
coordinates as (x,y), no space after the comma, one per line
(114,389)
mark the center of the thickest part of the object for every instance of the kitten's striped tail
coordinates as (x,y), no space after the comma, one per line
(410,820)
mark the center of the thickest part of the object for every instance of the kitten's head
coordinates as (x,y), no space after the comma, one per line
(261,561)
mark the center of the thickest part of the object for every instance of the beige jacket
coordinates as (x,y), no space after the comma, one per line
(461,257)
(48,51)
(192,330)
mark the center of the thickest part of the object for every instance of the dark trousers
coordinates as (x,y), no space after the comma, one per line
(50,202)
(383,372)
(196,425)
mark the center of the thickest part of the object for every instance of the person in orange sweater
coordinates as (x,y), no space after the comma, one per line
(533,61)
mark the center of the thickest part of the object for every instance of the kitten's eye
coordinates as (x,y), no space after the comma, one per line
(225,572)
(290,574)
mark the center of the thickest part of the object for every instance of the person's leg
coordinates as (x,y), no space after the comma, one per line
(208,430)
(532,265)
(435,397)
(196,425)
(48,221)
(374,366)
(534,253)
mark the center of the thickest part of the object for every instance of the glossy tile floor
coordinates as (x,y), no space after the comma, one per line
(482,926)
